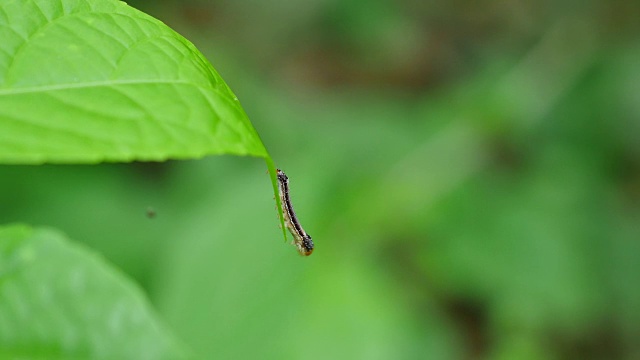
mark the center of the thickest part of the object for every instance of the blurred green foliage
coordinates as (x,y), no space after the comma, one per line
(469,171)
(59,300)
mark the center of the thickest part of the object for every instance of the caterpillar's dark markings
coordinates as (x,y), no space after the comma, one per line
(301,239)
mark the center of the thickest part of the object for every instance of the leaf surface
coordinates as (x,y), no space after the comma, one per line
(60,301)
(86,81)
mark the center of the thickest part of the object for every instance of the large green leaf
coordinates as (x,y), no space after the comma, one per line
(60,301)
(85,81)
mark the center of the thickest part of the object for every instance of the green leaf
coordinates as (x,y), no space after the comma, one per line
(85,81)
(60,301)
(274,183)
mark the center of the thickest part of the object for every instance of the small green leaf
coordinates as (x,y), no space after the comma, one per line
(60,301)
(85,81)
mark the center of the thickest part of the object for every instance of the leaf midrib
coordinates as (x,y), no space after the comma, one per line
(95,84)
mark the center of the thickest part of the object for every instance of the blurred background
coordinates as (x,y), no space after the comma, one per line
(469,172)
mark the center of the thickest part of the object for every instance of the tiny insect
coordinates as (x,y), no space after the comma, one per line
(301,239)
(151,212)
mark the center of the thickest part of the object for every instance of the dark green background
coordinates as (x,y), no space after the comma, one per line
(469,171)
